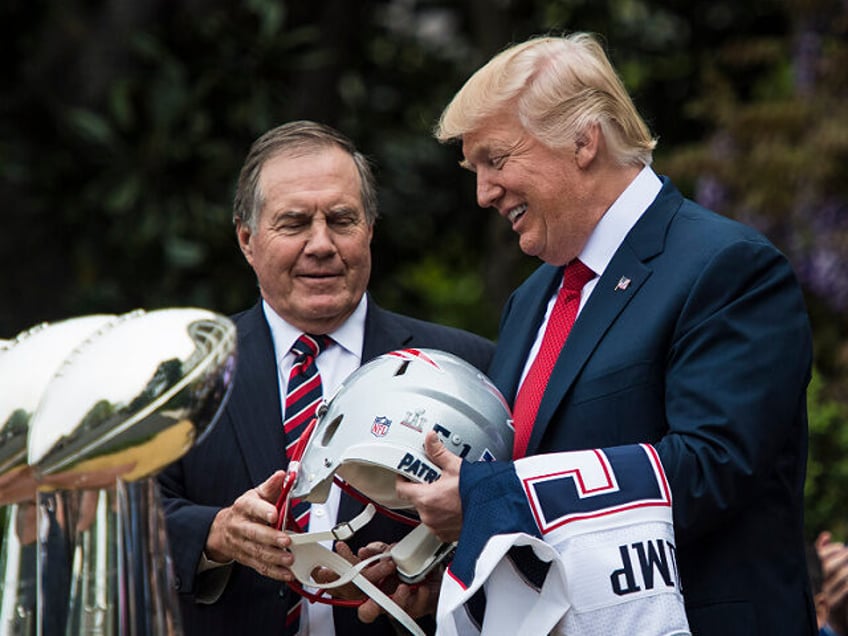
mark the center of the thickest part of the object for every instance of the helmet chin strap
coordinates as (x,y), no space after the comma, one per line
(310,554)
(418,552)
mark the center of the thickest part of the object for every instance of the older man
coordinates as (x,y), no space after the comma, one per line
(689,333)
(304,215)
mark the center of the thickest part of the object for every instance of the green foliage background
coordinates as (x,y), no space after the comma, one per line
(123,125)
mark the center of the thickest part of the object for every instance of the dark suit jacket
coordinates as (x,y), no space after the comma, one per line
(706,354)
(242,450)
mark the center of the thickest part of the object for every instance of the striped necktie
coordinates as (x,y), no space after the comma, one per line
(560,322)
(303,395)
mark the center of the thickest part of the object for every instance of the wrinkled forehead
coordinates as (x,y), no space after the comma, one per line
(321,171)
(494,134)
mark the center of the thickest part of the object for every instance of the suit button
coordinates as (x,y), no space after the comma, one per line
(178,583)
(283,592)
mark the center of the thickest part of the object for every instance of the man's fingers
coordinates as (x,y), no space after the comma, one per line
(260,504)
(343,550)
(405,489)
(402,595)
(271,488)
(439,454)
(375,547)
(266,559)
(448,462)
(834,557)
(823,539)
(416,602)
(323,575)
(434,447)
(369,611)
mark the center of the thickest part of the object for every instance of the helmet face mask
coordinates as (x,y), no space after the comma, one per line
(373,428)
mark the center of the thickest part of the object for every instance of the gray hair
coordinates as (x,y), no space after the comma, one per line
(296,137)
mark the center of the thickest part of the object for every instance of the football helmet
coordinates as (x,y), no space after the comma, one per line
(371,430)
(373,427)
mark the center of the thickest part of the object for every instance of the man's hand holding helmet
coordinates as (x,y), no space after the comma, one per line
(438,504)
(245,532)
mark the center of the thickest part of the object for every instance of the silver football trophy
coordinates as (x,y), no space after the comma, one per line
(132,398)
(27,364)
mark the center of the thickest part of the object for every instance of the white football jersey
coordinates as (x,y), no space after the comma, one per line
(578,543)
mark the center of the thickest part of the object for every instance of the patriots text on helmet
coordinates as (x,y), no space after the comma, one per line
(410,464)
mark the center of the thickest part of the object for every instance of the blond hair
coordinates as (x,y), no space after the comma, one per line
(559,86)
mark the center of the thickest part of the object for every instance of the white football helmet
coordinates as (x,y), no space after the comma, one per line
(373,427)
(371,430)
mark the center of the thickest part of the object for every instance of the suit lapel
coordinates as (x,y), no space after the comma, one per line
(382,334)
(601,310)
(607,301)
(515,343)
(254,409)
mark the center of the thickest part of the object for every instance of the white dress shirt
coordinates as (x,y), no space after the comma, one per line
(335,363)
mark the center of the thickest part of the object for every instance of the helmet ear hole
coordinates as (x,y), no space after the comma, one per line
(331,429)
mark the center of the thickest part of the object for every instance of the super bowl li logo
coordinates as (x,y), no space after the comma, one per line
(380,426)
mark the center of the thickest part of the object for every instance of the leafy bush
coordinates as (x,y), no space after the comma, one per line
(826,488)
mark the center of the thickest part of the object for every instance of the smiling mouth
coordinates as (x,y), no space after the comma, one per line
(319,275)
(516,213)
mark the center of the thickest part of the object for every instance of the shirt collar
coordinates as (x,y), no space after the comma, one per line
(350,335)
(619,219)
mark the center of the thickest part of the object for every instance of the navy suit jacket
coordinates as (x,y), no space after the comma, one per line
(706,353)
(243,449)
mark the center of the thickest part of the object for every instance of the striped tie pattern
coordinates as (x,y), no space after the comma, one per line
(303,395)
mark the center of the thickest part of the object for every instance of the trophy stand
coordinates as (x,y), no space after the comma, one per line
(18,568)
(144,560)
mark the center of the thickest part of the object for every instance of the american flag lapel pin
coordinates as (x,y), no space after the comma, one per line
(623,283)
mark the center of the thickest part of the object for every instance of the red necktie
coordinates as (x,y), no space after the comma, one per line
(559,324)
(303,395)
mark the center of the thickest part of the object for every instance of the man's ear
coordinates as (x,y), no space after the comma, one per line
(586,145)
(244,235)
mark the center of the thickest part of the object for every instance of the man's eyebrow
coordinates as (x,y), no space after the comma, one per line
(342,209)
(289,212)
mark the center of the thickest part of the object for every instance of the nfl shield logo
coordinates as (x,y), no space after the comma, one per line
(380,426)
